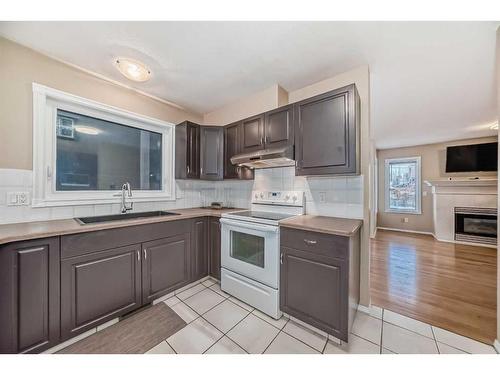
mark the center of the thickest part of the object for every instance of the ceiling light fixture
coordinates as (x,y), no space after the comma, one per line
(86,130)
(494,126)
(133,69)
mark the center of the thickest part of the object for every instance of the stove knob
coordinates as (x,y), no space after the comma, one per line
(287,197)
(262,195)
(256,195)
(294,198)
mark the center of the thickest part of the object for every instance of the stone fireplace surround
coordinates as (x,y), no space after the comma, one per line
(450,193)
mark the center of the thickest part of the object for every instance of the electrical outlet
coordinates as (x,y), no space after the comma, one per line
(16,198)
(322,197)
(404,220)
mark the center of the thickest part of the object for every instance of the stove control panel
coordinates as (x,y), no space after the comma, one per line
(277,197)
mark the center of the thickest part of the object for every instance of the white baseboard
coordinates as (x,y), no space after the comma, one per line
(496,345)
(407,231)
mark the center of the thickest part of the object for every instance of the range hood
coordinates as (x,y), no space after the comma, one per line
(269,158)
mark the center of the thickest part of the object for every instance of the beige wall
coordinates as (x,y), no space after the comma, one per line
(262,101)
(361,77)
(433,167)
(20,66)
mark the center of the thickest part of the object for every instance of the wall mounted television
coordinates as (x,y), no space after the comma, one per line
(482,157)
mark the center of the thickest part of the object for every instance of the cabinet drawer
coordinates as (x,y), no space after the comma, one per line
(317,243)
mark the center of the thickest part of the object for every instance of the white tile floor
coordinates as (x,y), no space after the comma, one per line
(220,324)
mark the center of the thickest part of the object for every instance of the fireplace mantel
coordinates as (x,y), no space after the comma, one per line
(480,186)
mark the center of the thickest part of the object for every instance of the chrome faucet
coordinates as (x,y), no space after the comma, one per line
(126,189)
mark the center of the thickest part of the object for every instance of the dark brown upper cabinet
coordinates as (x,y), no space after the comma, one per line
(278,127)
(187,150)
(232,146)
(29,296)
(327,133)
(252,134)
(211,153)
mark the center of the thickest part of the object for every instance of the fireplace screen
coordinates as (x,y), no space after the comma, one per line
(476,225)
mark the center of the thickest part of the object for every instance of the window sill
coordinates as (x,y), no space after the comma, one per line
(403,212)
(93,201)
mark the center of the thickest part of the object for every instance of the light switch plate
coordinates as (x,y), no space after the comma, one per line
(322,197)
(18,198)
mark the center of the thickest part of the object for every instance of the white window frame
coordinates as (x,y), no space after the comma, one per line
(46,101)
(418,188)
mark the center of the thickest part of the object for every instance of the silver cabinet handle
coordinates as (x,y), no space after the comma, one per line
(310,242)
(145,254)
(138,256)
(281,258)
(261,140)
(188,169)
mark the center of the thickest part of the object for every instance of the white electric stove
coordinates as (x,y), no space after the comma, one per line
(250,248)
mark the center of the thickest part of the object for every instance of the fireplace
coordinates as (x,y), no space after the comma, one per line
(476,224)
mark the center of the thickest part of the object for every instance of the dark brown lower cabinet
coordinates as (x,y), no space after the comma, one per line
(99,286)
(214,247)
(29,296)
(319,279)
(165,266)
(199,249)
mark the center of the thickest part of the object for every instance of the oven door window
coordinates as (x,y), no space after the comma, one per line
(247,248)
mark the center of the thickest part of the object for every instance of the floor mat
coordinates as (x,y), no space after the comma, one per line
(133,335)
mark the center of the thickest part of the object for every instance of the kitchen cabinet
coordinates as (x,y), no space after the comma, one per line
(214,247)
(199,249)
(278,128)
(232,146)
(211,153)
(252,134)
(165,266)
(187,150)
(99,286)
(319,279)
(327,133)
(29,294)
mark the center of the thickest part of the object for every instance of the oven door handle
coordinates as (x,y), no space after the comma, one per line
(248,225)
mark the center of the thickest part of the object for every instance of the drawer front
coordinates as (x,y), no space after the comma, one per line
(316,243)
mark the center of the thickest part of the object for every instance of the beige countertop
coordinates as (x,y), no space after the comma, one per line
(323,224)
(42,229)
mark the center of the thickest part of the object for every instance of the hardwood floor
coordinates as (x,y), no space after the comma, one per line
(443,284)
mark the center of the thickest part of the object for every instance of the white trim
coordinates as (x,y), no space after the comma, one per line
(418,187)
(46,101)
(496,345)
(408,231)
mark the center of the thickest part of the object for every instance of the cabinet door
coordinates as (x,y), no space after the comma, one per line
(29,295)
(214,242)
(212,153)
(199,250)
(231,148)
(278,127)
(252,134)
(312,289)
(98,287)
(326,138)
(165,266)
(193,151)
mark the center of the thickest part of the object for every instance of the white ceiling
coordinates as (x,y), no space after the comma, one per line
(430,82)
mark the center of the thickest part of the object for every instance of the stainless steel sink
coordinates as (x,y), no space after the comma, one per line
(133,215)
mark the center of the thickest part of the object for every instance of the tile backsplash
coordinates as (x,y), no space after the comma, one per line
(327,196)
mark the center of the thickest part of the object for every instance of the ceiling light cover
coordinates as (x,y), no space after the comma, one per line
(133,69)
(494,126)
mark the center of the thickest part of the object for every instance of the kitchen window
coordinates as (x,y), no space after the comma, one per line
(85,151)
(402,185)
